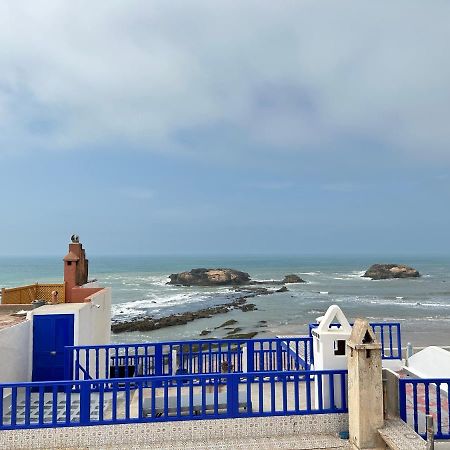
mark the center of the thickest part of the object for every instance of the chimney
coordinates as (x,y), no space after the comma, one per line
(75,267)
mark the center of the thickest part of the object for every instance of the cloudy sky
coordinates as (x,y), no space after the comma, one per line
(305,126)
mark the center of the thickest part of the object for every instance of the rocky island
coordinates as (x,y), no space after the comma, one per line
(387,271)
(292,278)
(210,277)
(223,277)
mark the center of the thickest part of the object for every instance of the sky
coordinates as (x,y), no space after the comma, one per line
(225,127)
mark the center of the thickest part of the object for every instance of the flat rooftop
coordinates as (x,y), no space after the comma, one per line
(9,316)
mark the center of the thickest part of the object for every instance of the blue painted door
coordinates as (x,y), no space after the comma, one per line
(51,333)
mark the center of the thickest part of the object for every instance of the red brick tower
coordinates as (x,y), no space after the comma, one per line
(75,267)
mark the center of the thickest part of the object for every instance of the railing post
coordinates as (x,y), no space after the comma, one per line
(85,403)
(250,356)
(279,355)
(159,362)
(68,363)
(402,399)
(233,395)
(399,341)
(309,354)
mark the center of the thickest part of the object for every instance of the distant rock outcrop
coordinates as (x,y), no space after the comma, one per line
(210,277)
(292,278)
(387,271)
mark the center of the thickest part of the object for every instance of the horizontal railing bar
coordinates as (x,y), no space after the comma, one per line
(195,342)
(423,380)
(144,379)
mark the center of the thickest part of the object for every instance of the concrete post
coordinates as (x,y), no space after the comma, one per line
(365,388)
(430,433)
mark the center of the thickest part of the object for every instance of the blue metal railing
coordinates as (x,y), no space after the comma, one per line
(169,398)
(421,397)
(388,334)
(188,357)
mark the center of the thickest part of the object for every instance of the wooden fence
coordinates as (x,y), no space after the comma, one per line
(23,295)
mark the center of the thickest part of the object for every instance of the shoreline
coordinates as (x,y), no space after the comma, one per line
(261,318)
(148,324)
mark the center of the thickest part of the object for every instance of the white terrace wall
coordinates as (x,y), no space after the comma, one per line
(95,327)
(15,352)
(97,321)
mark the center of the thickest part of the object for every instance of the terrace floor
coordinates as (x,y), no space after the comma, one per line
(8,315)
(299,442)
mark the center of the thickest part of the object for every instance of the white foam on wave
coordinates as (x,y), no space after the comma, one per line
(354,275)
(138,280)
(310,273)
(155,302)
(324,292)
(425,304)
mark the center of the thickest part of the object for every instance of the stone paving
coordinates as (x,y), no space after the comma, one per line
(253,433)
(300,442)
(399,436)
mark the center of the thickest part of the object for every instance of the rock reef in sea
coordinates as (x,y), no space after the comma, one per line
(387,271)
(210,277)
(223,277)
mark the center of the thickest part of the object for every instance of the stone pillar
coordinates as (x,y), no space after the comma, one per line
(365,388)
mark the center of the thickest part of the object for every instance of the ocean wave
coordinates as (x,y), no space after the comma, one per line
(354,275)
(409,303)
(156,302)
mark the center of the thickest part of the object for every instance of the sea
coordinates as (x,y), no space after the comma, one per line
(139,289)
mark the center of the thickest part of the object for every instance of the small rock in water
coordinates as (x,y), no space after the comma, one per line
(248,307)
(205,332)
(235,331)
(250,335)
(292,278)
(227,323)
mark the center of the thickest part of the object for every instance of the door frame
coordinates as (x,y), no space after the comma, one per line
(68,371)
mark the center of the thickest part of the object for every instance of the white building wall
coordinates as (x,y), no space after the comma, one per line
(101,317)
(431,362)
(92,325)
(15,353)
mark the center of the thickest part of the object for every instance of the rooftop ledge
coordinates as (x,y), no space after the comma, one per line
(9,317)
